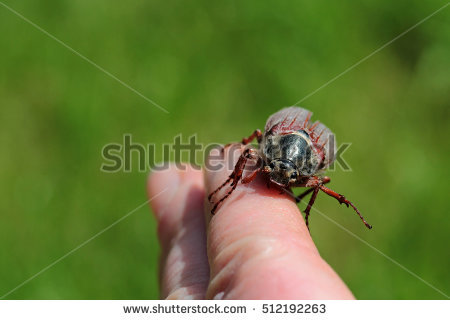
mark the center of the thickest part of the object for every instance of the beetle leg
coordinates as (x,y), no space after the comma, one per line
(304,194)
(310,204)
(342,199)
(246,153)
(235,176)
(256,134)
(252,175)
(299,198)
(221,186)
(230,177)
(315,183)
(325,180)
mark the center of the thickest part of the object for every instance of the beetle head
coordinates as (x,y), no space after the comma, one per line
(282,172)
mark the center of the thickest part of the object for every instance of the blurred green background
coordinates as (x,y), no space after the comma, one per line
(220,69)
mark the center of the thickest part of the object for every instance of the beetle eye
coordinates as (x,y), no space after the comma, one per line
(294,175)
(271,165)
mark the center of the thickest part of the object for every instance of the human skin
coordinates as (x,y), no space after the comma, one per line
(256,246)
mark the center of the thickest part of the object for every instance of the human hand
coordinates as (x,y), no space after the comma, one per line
(256,246)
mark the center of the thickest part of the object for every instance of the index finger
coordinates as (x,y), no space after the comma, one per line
(259,246)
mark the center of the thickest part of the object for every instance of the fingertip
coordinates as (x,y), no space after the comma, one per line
(181,229)
(165,180)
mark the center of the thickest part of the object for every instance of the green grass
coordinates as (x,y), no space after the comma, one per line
(220,69)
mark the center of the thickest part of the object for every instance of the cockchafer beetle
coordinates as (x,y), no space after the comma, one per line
(292,152)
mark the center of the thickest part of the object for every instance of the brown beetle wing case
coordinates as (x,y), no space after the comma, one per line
(287,120)
(325,140)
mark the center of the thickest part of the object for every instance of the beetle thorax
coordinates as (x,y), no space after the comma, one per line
(288,152)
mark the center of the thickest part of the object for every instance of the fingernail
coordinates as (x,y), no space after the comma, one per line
(219,296)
